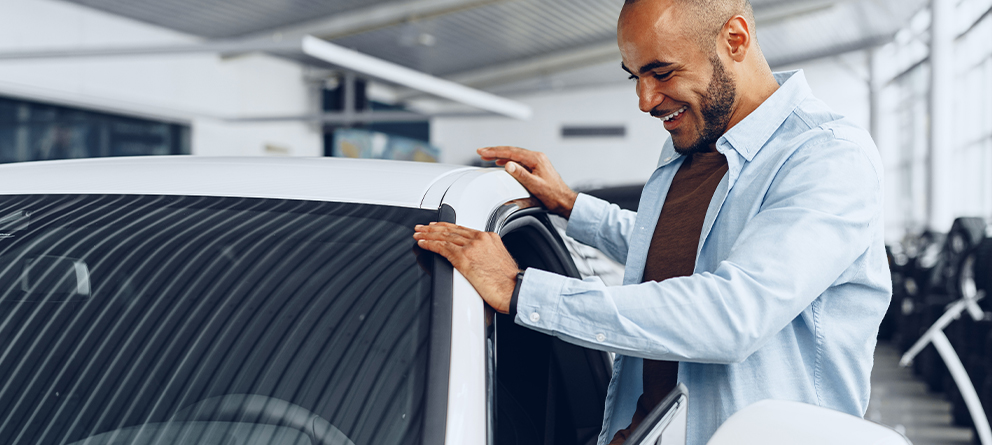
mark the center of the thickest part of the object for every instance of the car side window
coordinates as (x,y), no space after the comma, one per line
(546,391)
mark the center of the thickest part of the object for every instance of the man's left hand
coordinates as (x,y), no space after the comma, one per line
(479,256)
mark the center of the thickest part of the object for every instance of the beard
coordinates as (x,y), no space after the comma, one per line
(715,106)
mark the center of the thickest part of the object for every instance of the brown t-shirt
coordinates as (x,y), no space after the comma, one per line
(673,254)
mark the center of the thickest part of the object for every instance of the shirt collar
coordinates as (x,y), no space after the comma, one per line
(750,134)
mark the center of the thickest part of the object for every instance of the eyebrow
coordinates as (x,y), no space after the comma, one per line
(646,68)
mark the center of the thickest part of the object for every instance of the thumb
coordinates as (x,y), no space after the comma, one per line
(524,177)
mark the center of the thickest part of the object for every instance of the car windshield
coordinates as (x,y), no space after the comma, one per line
(195,320)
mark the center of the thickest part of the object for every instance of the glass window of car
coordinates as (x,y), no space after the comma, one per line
(231,320)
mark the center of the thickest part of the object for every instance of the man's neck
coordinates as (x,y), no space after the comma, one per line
(752,95)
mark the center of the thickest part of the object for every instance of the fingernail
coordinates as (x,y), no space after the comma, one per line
(433,222)
(511,167)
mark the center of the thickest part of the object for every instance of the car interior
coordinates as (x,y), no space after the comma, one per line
(547,391)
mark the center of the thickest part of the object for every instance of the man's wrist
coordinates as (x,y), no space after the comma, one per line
(569,204)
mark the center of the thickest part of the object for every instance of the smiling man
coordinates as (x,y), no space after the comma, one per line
(755,267)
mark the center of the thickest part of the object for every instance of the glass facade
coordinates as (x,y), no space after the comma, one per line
(33,131)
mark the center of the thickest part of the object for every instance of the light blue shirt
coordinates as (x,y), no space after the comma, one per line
(790,284)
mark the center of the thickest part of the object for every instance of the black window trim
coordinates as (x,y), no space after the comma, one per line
(439,352)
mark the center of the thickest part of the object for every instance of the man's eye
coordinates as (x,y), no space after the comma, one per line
(632,77)
(663,76)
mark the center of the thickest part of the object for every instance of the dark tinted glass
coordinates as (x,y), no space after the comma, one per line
(152,319)
(33,131)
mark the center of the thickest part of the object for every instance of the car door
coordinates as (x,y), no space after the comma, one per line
(666,423)
(542,390)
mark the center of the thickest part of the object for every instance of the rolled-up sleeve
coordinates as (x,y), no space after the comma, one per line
(817,218)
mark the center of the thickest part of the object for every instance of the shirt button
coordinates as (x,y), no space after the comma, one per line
(535,317)
(600,337)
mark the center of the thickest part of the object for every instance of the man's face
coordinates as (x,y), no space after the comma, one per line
(677,81)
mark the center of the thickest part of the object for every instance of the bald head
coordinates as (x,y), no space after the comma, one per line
(702,20)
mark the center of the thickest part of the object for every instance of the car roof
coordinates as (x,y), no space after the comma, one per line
(397,183)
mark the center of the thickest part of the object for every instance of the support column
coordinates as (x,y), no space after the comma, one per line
(874,93)
(940,195)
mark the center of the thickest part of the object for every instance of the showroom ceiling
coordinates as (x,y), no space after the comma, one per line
(494,43)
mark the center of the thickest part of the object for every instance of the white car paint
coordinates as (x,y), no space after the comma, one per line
(396,183)
(777,422)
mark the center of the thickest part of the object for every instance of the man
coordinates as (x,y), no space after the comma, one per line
(755,267)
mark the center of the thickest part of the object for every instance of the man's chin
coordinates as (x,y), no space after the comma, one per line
(686,149)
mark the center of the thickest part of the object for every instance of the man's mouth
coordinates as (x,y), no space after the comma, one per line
(674,115)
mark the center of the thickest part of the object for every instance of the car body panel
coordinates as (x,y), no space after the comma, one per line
(779,422)
(435,193)
(395,183)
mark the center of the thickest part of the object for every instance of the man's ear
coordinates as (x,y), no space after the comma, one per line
(737,36)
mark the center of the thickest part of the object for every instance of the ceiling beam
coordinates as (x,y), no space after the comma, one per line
(214,46)
(781,11)
(544,65)
(830,51)
(371,18)
(401,75)
(355,118)
(539,66)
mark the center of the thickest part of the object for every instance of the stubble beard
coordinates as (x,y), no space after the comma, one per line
(715,107)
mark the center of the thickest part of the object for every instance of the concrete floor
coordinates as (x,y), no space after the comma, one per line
(901,401)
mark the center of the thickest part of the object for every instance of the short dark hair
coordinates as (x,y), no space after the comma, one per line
(707,17)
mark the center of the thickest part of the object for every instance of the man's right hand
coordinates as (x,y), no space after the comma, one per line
(534,171)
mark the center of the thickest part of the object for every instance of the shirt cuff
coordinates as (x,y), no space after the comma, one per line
(538,299)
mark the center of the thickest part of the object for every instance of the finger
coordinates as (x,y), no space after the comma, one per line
(517,154)
(436,227)
(450,233)
(439,247)
(524,177)
(451,238)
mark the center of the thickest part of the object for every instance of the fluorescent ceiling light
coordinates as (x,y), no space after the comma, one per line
(388,71)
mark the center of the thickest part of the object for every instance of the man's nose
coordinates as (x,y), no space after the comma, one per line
(648,96)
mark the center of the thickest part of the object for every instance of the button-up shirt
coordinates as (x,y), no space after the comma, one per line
(790,283)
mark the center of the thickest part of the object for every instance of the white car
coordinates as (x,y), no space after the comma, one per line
(190,300)
(261,300)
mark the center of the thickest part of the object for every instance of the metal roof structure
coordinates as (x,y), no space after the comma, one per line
(503,45)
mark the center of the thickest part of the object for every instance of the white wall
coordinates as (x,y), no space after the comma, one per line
(581,162)
(203,90)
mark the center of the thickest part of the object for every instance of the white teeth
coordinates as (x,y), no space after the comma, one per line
(675,114)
